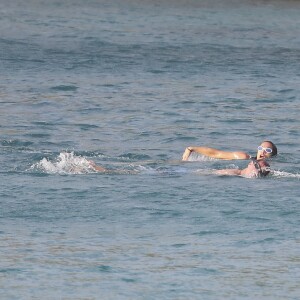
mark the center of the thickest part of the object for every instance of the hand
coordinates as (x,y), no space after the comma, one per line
(187,153)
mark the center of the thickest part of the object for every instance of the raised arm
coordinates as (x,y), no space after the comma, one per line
(214,153)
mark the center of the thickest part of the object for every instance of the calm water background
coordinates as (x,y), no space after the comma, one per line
(130,84)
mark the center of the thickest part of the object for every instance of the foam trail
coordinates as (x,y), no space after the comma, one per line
(66,163)
(285,174)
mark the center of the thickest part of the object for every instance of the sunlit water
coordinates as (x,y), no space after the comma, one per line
(129,85)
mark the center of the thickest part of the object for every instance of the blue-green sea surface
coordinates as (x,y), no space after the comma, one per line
(128,85)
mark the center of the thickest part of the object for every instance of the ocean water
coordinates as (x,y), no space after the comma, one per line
(129,84)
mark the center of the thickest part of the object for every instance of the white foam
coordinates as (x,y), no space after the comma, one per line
(285,174)
(65,163)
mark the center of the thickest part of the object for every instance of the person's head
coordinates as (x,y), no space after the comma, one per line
(266,150)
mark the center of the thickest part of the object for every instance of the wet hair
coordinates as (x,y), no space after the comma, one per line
(274,148)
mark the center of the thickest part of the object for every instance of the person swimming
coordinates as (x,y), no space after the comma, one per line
(265,150)
(256,168)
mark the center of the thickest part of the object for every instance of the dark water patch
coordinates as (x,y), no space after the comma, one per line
(266,240)
(101,269)
(291,98)
(110,85)
(285,91)
(162,156)
(38,135)
(15,143)
(195,123)
(179,245)
(64,88)
(170,114)
(258,218)
(188,102)
(92,110)
(166,213)
(43,123)
(86,127)
(208,232)
(183,138)
(237,120)
(148,94)
(284,120)
(38,173)
(156,71)
(231,212)
(133,157)
(234,101)
(146,195)
(288,213)
(268,100)
(206,271)
(129,280)
(249,243)
(10,270)
(267,230)
(148,134)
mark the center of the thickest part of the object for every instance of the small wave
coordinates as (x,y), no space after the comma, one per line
(65,163)
(133,157)
(64,88)
(284,174)
(15,143)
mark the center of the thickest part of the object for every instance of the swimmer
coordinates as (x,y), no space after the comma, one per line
(256,168)
(265,150)
(97,167)
(101,169)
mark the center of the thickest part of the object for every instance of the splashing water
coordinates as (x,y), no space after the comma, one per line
(283,174)
(66,163)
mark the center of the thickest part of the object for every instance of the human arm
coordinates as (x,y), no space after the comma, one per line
(97,167)
(214,153)
(230,172)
